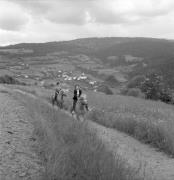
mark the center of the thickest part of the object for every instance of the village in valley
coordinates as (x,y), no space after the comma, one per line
(45,71)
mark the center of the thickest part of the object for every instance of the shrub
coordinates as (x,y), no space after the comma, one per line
(155,89)
(105,89)
(111,80)
(10,80)
(135,92)
(166,96)
(124,91)
(152,86)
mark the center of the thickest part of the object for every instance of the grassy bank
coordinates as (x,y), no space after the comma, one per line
(70,150)
(148,121)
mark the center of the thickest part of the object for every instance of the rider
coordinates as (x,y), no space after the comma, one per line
(77,94)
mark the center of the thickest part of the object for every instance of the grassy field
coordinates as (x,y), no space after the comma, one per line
(68,148)
(148,121)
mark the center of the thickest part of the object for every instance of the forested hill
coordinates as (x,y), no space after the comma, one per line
(103,47)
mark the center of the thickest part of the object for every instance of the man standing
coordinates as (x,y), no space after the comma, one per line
(77,94)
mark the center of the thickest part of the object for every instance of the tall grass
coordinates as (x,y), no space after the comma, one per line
(148,121)
(70,150)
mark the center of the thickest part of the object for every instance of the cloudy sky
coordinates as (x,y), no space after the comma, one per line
(54,20)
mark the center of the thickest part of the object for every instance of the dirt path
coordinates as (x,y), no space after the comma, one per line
(18,159)
(152,164)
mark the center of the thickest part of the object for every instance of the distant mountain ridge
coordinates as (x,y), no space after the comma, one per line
(109,45)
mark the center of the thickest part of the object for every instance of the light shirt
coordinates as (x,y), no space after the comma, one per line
(78,92)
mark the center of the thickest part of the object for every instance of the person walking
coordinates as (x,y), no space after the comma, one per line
(77,94)
(57,91)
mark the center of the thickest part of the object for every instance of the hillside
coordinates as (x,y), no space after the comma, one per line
(40,142)
(99,58)
(56,146)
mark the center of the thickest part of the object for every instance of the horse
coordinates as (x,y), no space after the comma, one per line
(59,101)
(81,108)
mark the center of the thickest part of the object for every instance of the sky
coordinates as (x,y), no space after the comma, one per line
(57,20)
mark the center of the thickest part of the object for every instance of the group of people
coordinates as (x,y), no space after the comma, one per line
(77,96)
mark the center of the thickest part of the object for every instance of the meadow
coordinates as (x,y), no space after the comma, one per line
(69,149)
(151,122)
(148,121)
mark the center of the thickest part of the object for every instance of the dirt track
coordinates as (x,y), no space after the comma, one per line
(18,159)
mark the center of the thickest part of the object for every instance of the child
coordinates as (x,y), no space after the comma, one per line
(84,102)
(57,91)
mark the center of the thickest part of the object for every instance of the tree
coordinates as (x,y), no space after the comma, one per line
(155,88)
(152,86)
(166,95)
(111,80)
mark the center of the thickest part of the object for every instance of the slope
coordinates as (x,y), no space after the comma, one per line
(149,163)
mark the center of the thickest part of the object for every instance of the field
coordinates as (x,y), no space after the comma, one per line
(69,149)
(148,121)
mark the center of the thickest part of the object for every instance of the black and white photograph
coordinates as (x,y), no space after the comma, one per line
(86,89)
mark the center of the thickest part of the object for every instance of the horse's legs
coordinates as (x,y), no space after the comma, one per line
(78,117)
(61,104)
(53,101)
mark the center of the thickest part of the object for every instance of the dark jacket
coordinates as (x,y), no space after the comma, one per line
(75,97)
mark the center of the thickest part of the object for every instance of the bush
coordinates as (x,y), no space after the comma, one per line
(110,80)
(135,92)
(124,91)
(152,86)
(166,96)
(155,89)
(105,89)
(10,80)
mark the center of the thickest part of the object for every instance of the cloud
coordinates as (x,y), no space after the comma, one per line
(64,12)
(50,20)
(12,18)
(79,12)
(129,11)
